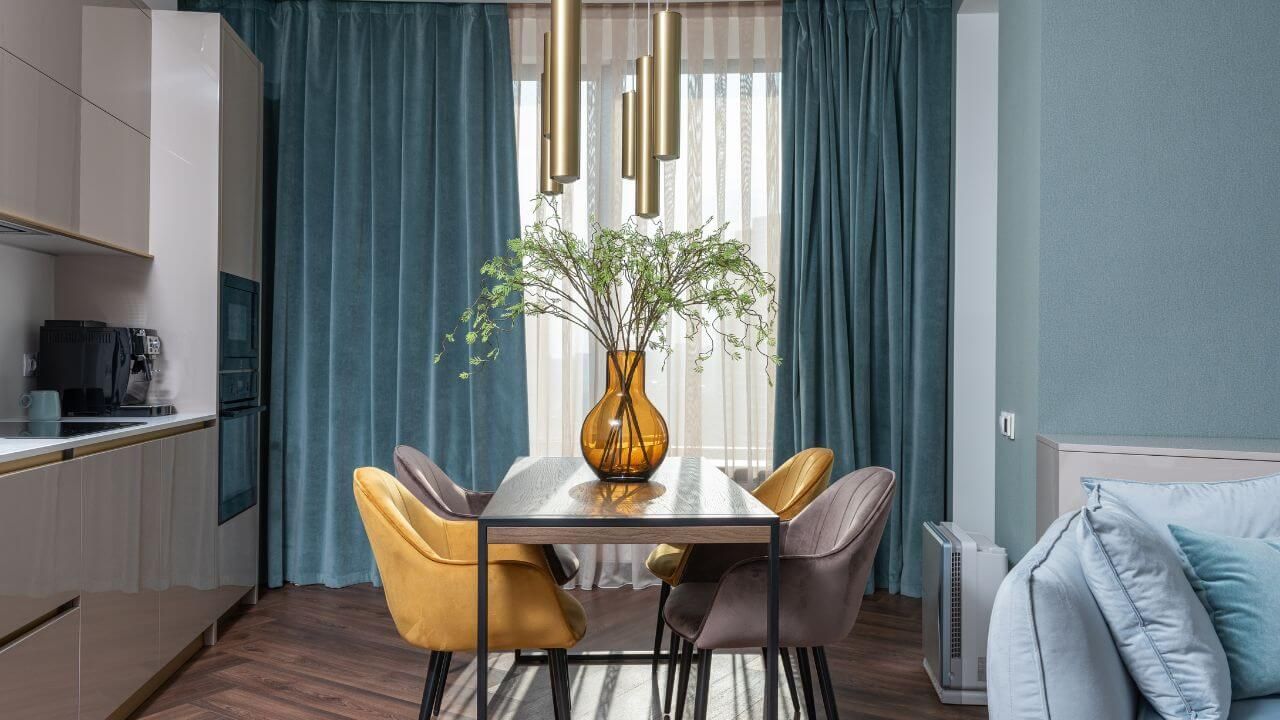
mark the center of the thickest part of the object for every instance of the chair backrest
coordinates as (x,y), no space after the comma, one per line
(795,484)
(430,485)
(843,527)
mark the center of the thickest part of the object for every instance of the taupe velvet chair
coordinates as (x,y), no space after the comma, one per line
(827,554)
(435,489)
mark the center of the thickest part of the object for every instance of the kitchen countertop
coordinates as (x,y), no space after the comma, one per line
(21,449)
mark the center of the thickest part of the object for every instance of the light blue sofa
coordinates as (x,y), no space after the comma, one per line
(1050,654)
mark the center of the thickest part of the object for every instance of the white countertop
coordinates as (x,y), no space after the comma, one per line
(20,449)
(1227,448)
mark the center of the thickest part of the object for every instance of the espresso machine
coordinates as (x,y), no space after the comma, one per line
(99,370)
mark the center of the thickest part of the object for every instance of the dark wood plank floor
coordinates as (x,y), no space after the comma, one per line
(311,652)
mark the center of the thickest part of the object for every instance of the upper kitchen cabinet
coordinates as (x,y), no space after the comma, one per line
(75,109)
(99,49)
(240,149)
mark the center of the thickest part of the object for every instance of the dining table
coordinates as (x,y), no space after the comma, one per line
(559,500)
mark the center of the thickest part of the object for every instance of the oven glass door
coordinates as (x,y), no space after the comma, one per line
(238,462)
(239,317)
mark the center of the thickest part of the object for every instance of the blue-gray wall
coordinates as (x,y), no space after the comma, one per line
(1018,270)
(1158,203)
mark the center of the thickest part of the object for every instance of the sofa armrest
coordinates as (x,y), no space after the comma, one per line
(1050,655)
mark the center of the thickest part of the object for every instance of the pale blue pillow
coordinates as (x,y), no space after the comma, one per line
(1238,579)
(1163,633)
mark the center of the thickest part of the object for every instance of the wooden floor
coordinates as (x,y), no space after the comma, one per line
(310,652)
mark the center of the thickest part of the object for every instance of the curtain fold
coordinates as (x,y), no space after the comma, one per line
(865,269)
(390,167)
(728,169)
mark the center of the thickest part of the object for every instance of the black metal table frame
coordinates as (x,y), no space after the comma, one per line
(656,523)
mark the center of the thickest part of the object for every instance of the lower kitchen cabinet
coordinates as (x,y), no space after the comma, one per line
(38,671)
(40,518)
(120,602)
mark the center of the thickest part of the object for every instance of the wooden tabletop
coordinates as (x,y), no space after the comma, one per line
(688,497)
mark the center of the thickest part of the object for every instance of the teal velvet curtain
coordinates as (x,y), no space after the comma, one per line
(390,169)
(866,251)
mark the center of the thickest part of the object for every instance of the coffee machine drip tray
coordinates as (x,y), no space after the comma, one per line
(56,429)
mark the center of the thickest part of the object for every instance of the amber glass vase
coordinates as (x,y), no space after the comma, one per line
(624,437)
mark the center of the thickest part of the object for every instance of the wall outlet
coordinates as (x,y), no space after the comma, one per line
(1006,424)
(28,365)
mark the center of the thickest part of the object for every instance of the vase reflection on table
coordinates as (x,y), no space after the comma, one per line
(624,437)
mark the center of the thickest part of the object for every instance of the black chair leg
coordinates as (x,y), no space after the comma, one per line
(806,680)
(559,685)
(686,657)
(442,674)
(703,691)
(824,679)
(567,685)
(786,666)
(673,663)
(657,634)
(429,688)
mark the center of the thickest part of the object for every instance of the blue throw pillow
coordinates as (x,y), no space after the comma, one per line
(1238,580)
(1162,632)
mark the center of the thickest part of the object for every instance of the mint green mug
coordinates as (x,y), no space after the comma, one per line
(42,405)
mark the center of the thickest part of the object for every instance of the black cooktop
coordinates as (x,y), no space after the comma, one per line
(55,429)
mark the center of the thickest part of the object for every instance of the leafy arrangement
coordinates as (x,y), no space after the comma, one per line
(624,286)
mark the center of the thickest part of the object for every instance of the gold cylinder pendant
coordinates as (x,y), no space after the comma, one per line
(647,191)
(565,77)
(546,185)
(666,84)
(546,89)
(629,135)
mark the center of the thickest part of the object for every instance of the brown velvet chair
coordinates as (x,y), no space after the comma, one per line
(433,488)
(827,554)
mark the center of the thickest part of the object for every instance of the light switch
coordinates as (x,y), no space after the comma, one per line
(1006,424)
(28,365)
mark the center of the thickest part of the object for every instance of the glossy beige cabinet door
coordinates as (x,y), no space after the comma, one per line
(40,517)
(190,601)
(115,187)
(40,146)
(240,172)
(238,556)
(99,49)
(38,671)
(119,601)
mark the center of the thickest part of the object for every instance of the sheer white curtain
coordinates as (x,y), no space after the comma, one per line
(729,169)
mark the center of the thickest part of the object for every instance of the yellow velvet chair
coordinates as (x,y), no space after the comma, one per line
(786,491)
(428,566)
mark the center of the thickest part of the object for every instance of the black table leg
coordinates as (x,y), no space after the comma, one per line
(482,621)
(771,667)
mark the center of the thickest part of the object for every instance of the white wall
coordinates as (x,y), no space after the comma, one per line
(26,301)
(973,406)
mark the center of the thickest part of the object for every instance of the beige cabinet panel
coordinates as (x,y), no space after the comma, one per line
(115,188)
(240,173)
(40,144)
(119,602)
(38,672)
(40,516)
(238,556)
(100,49)
(190,601)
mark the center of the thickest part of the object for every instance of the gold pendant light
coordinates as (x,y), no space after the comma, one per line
(565,76)
(647,192)
(546,185)
(629,135)
(545,100)
(666,84)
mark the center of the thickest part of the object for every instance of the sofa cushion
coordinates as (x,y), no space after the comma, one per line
(1238,579)
(1049,653)
(1267,708)
(1160,628)
(1239,508)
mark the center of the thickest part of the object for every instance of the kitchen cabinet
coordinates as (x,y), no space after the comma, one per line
(119,600)
(39,673)
(98,49)
(191,599)
(40,517)
(240,159)
(68,165)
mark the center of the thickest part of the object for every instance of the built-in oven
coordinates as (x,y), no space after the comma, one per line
(240,407)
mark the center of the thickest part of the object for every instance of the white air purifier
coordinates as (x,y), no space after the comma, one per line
(961,573)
